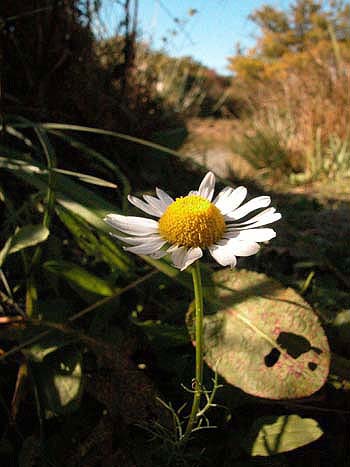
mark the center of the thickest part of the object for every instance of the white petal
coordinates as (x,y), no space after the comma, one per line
(206,188)
(223,193)
(137,240)
(156,203)
(238,247)
(222,196)
(245,248)
(255,235)
(147,248)
(264,219)
(267,220)
(223,255)
(139,226)
(192,255)
(143,206)
(182,258)
(193,192)
(230,233)
(178,255)
(158,254)
(164,197)
(173,248)
(229,199)
(265,212)
(252,205)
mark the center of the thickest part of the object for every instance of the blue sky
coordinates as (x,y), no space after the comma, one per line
(209,36)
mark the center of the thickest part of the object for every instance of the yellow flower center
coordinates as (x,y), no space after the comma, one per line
(192,221)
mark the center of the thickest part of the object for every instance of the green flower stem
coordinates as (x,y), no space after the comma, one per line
(198,295)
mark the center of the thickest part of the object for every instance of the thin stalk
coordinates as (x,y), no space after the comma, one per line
(198,296)
(51,163)
(75,317)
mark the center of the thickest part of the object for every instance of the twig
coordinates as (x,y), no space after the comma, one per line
(66,329)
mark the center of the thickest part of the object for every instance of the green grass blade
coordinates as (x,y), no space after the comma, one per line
(93,154)
(95,244)
(86,178)
(80,277)
(51,163)
(69,194)
(114,134)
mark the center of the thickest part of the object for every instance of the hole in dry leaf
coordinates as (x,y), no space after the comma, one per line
(316,350)
(312,366)
(295,345)
(272,358)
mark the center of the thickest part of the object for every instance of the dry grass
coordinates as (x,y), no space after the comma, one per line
(306,107)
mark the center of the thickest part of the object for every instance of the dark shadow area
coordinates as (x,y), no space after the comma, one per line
(294,344)
(272,358)
(312,366)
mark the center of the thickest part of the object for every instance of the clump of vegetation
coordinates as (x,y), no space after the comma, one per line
(298,72)
(182,85)
(62,77)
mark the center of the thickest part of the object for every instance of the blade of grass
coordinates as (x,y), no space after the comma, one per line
(92,153)
(69,194)
(96,243)
(85,129)
(29,13)
(86,178)
(51,163)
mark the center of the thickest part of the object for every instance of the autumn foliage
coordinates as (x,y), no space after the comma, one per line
(295,81)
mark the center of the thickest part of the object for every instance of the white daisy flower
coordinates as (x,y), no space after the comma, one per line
(189,224)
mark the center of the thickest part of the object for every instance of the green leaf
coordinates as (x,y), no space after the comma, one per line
(132,139)
(86,178)
(47,345)
(274,435)
(24,237)
(263,338)
(95,244)
(80,277)
(29,235)
(59,380)
(92,154)
(2,195)
(5,251)
(68,193)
